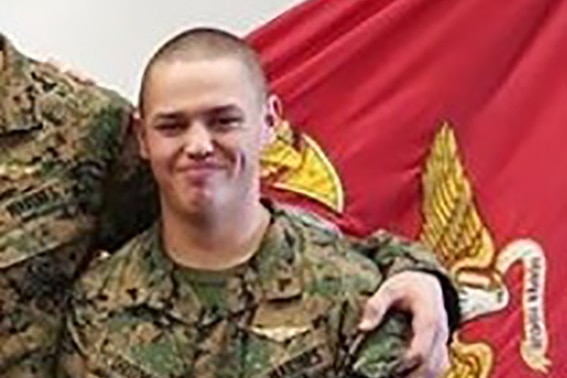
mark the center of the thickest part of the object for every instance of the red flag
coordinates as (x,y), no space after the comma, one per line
(445,121)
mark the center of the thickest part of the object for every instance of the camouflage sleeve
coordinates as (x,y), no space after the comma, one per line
(379,354)
(373,354)
(393,254)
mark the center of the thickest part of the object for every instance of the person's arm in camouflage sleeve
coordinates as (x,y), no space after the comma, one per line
(417,284)
(393,255)
(58,140)
(380,352)
(128,199)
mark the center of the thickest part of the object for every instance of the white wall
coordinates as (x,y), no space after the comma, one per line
(110,40)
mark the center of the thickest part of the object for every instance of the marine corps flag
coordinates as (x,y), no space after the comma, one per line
(445,121)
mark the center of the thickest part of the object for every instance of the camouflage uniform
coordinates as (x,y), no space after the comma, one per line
(58,142)
(291,311)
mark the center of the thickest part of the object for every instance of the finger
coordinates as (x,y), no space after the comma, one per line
(433,356)
(425,329)
(436,366)
(408,367)
(375,308)
(440,363)
(444,363)
(423,370)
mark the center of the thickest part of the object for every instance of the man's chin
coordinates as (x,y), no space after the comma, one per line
(201,203)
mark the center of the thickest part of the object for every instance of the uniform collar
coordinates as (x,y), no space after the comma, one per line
(276,269)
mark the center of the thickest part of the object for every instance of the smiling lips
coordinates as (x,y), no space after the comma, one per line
(198,173)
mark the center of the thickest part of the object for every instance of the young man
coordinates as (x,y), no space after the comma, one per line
(69,182)
(226,284)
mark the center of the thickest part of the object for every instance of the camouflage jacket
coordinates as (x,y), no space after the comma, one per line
(59,141)
(291,311)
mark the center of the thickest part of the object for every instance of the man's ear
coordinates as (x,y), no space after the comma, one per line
(139,130)
(273,119)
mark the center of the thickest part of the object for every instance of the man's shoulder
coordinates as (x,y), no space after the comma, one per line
(36,93)
(328,254)
(309,223)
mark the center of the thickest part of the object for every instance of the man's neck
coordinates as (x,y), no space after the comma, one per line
(217,241)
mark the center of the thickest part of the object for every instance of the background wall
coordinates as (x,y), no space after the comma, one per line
(110,40)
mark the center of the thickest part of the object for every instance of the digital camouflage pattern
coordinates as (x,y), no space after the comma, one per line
(71,182)
(291,311)
(59,141)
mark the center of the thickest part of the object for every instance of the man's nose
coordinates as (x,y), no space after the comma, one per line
(198,141)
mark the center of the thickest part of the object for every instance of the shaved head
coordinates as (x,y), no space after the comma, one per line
(206,44)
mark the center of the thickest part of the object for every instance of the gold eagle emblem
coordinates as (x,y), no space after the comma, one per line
(453,228)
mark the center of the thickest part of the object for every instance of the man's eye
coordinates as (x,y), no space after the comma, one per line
(227,122)
(168,127)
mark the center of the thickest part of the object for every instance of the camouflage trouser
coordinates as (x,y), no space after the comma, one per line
(32,301)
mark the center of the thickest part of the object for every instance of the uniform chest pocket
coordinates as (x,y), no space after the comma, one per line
(291,341)
(303,353)
(309,353)
(39,210)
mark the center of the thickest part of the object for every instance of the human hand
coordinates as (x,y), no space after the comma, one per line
(420,294)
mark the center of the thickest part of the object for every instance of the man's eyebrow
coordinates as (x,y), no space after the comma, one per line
(173,116)
(169,116)
(223,109)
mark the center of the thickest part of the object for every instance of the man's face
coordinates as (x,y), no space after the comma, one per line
(202,130)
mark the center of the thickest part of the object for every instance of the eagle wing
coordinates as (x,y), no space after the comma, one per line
(452,226)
